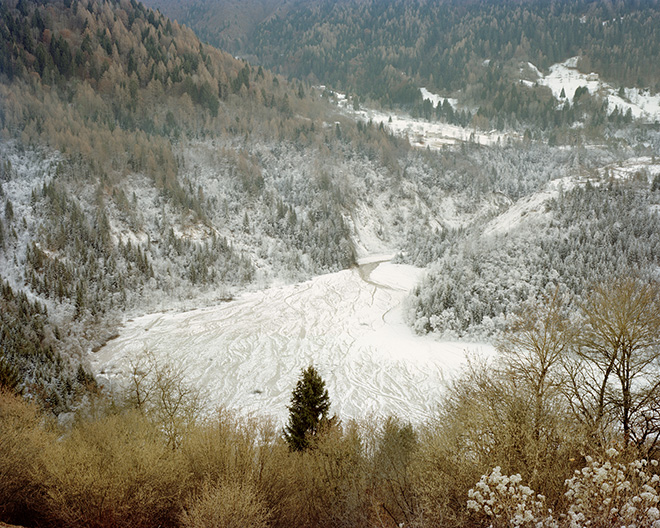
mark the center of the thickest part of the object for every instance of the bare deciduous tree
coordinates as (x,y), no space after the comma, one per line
(161,391)
(620,344)
(534,347)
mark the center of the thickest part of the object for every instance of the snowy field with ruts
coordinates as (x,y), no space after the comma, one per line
(247,354)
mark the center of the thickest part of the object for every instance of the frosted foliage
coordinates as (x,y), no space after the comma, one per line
(614,494)
(601,494)
(585,234)
(507,503)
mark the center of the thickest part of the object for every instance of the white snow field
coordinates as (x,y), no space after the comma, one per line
(641,103)
(247,354)
(438,99)
(435,135)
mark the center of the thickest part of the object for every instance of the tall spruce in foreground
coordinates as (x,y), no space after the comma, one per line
(308,411)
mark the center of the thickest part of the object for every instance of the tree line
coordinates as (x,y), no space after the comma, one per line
(385,51)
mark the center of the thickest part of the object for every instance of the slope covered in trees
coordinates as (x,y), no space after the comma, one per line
(140,166)
(106,206)
(589,234)
(387,50)
(143,170)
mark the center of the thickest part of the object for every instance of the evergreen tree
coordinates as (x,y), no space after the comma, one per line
(9,377)
(308,411)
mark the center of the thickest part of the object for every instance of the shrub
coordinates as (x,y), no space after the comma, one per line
(393,478)
(614,494)
(444,470)
(22,440)
(221,449)
(115,471)
(325,486)
(227,505)
(160,391)
(487,419)
(506,503)
(602,494)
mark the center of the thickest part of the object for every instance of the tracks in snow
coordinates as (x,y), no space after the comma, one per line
(247,354)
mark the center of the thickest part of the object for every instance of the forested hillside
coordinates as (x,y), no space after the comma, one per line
(478,51)
(104,206)
(143,171)
(584,236)
(141,167)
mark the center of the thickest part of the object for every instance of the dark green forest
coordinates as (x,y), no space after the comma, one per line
(386,50)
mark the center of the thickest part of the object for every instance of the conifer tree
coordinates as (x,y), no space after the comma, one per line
(9,376)
(308,411)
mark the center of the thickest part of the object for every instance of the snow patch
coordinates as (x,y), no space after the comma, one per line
(645,168)
(532,209)
(438,99)
(528,209)
(434,135)
(247,354)
(566,77)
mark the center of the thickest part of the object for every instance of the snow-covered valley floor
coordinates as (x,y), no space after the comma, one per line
(247,354)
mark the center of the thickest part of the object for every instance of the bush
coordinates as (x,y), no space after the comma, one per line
(445,468)
(393,477)
(221,449)
(22,441)
(322,487)
(614,494)
(601,494)
(505,502)
(115,471)
(227,505)
(487,419)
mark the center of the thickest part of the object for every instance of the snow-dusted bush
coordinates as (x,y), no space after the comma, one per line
(614,494)
(609,493)
(507,503)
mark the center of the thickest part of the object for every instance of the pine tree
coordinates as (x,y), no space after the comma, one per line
(308,411)
(9,376)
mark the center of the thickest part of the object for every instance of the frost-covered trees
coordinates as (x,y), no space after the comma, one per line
(29,357)
(308,412)
(585,236)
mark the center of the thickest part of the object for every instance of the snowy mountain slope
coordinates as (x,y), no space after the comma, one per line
(565,76)
(576,232)
(532,208)
(644,168)
(233,181)
(422,133)
(247,354)
(24,172)
(528,210)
